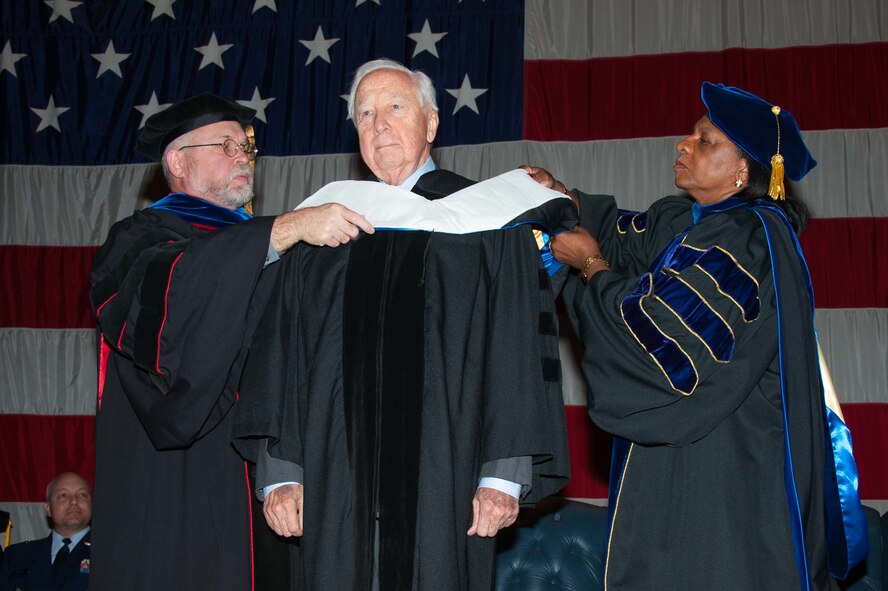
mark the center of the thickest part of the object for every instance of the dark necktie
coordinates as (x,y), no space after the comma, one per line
(61,556)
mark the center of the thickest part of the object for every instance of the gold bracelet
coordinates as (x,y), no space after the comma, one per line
(588,263)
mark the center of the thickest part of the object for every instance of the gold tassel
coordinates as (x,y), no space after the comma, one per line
(251,138)
(8,532)
(775,189)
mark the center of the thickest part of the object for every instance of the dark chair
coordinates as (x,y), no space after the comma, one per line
(559,544)
(869,574)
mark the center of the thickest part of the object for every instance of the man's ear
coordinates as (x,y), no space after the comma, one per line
(175,162)
(431,126)
(46,508)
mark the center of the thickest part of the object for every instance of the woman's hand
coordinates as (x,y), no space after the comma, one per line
(574,247)
(545,178)
(541,175)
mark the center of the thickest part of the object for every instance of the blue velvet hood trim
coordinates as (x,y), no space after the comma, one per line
(199,212)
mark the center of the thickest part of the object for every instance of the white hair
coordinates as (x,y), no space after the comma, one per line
(424,86)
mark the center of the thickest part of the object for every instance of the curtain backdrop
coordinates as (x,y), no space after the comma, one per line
(596,91)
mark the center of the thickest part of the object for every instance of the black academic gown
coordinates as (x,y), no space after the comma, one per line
(392,369)
(683,367)
(27,566)
(176,307)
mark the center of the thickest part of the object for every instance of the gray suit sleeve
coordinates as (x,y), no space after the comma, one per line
(517,469)
(271,471)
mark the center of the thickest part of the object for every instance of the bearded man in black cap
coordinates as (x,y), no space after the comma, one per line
(177,289)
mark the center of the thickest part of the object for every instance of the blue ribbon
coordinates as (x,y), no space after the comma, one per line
(846,522)
(552,264)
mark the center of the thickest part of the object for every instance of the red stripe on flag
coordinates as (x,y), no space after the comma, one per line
(38,447)
(846,259)
(46,286)
(830,87)
(590,455)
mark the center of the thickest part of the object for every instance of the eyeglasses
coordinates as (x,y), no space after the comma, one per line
(231,148)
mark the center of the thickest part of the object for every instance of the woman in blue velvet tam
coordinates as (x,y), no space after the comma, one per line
(730,469)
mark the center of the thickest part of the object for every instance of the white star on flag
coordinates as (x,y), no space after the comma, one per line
(162,8)
(151,108)
(212,53)
(110,60)
(49,117)
(318,47)
(466,95)
(264,4)
(425,40)
(258,104)
(8,59)
(62,8)
(345,98)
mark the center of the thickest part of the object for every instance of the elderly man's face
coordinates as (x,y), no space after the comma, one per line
(69,505)
(395,135)
(208,173)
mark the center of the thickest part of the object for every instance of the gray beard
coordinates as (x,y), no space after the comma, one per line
(236,198)
(228,196)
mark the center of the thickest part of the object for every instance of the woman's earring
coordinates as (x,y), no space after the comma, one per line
(738,183)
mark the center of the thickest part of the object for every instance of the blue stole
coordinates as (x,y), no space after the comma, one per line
(845,521)
(199,212)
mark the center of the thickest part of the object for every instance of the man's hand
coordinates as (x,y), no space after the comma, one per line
(331,224)
(493,510)
(283,510)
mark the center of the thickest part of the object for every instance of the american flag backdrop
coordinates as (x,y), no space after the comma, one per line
(596,91)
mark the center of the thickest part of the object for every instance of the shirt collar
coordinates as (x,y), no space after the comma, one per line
(75,539)
(428,166)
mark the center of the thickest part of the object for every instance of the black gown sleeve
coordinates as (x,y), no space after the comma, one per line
(524,408)
(270,374)
(629,239)
(670,354)
(175,300)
